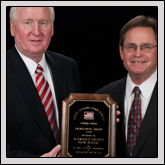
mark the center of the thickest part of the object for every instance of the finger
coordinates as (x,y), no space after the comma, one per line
(56,150)
(118,112)
(117,120)
(58,155)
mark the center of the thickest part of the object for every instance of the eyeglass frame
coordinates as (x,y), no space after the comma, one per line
(140,47)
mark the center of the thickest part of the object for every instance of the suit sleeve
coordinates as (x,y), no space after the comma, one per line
(13,152)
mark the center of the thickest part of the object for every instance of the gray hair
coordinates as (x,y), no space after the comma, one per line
(13,14)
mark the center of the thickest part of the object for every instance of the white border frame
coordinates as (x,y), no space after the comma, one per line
(160,158)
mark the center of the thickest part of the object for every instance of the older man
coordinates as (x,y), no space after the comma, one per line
(37,82)
(136,94)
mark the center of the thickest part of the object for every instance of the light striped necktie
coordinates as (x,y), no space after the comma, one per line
(134,121)
(47,100)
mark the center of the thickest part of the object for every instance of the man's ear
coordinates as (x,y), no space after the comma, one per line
(121,52)
(12,28)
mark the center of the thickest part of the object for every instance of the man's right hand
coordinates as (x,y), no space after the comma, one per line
(55,152)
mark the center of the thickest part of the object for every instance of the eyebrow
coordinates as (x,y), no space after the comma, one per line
(43,20)
(27,19)
(141,44)
(31,19)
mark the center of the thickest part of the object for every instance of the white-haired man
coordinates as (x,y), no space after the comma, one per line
(37,82)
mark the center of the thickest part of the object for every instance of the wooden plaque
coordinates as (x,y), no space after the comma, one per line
(88,126)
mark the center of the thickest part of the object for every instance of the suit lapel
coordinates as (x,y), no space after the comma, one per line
(119,94)
(148,123)
(26,86)
(59,82)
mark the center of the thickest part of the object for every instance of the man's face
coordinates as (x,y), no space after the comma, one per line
(139,64)
(33,30)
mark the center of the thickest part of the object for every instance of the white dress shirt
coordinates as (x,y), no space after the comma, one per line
(146,88)
(31,66)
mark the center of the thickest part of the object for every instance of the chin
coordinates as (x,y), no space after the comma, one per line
(37,51)
(138,72)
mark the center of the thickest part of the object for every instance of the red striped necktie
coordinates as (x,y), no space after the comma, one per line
(134,121)
(47,100)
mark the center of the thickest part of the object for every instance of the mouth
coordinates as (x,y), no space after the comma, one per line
(35,41)
(138,62)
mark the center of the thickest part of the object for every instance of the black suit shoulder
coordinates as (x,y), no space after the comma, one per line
(57,58)
(60,58)
(111,87)
(68,67)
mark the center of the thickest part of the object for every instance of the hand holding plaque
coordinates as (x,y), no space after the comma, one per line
(88,127)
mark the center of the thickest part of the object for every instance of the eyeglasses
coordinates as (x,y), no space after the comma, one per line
(144,48)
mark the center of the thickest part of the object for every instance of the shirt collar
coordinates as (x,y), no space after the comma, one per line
(129,87)
(146,87)
(43,63)
(32,65)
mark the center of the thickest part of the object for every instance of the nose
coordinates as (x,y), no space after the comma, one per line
(36,29)
(138,52)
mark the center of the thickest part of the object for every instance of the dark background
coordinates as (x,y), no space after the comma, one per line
(90,35)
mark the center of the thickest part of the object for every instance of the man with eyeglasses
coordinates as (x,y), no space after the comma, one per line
(136,94)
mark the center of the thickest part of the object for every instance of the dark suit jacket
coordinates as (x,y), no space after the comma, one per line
(147,142)
(28,131)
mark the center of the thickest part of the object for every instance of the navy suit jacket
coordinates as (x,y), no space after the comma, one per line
(147,141)
(27,128)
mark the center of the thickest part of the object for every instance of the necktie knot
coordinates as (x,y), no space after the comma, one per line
(39,69)
(136,90)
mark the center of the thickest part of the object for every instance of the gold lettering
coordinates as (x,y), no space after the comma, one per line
(81,142)
(86,135)
(83,129)
(97,129)
(95,109)
(91,123)
(84,123)
(98,148)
